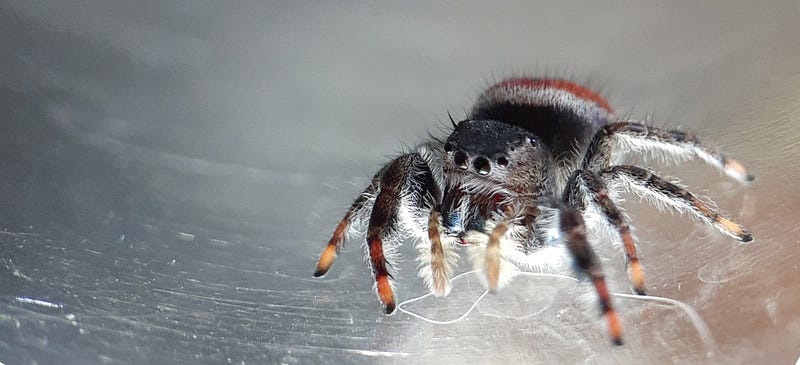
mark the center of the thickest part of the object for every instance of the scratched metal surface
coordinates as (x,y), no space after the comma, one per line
(169,172)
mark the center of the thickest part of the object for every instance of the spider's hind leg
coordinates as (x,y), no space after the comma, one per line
(647,184)
(585,184)
(670,143)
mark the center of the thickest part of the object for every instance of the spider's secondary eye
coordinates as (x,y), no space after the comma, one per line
(502,161)
(532,142)
(461,160)
(448,147)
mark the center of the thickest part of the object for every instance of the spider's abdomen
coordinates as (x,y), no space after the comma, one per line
(563,114)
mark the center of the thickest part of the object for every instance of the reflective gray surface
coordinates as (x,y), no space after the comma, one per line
(171,171)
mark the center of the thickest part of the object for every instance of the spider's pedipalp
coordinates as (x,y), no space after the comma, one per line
(586,185)
(667,143)
(493,255)
(437,258)
(647,184)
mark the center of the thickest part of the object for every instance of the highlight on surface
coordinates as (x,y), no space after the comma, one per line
(699,325)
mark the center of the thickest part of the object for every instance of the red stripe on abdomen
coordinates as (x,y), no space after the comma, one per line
(568,86)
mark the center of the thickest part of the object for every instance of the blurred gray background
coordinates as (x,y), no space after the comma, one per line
(170,171)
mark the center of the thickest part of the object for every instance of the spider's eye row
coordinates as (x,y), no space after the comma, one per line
(461,160)
(502,161)
(448,147)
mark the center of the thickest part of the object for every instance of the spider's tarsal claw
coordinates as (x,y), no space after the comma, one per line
(614,327)
(385,293)
(637,276)
(734,228)
(736,170)
(325,261)
(389,308)
(332,249)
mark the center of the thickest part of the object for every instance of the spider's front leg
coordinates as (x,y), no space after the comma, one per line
(573,230)
(585,184)
(356,209)
(671,143)
(405,183)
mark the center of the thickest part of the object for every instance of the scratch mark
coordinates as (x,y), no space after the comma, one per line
(39,302)
(700,326)
(19,234)
(379,353)
(331,186)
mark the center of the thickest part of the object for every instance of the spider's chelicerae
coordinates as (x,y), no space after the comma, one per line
(533,159)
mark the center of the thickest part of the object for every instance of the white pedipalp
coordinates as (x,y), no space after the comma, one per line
(548,255)
(476,252)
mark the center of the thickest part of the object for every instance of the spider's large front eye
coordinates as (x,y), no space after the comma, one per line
(532,142)
(448,147)
(481,165)
(461,160)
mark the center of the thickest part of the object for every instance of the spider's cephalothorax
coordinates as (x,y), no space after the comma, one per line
(533,157)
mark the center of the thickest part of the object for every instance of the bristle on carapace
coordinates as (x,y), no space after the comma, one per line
(556,84)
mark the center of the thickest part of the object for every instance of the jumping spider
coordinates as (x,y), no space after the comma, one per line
(533,159)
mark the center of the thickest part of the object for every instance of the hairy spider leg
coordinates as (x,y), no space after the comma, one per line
(382,222)
(492,260)
(672,143)
(336,242)
(440,271)
(649,185)
(574,231)
(597,191)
